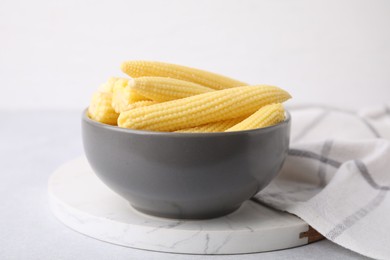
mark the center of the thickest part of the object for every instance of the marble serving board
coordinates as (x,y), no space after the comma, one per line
(82,202)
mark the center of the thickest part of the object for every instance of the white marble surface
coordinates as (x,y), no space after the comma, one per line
(33,145)
(82,202)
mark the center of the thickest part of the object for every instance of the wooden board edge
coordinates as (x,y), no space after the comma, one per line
(312,235)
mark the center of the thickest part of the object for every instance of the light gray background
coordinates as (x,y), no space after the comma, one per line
(54,54)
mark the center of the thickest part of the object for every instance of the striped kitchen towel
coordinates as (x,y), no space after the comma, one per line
(337,176)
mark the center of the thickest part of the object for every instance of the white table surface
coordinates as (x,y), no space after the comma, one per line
(32,145)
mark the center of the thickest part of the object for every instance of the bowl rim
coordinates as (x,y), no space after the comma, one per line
(86,119)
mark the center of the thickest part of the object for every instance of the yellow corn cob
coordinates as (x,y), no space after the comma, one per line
(202,109)
(162,89)
(123,95)
(120,95)
(219,126)
(136,97)
(266,116)
(100,109)
(136,69)
(108,86)
(138,104)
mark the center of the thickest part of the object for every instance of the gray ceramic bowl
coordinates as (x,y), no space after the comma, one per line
(185,175)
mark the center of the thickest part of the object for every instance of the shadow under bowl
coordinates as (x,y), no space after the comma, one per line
(185,175)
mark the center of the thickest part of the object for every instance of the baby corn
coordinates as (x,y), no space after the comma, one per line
(120,95)
(136,69)
(219,126)
(108,86)
(100,108)
(266,116)
(202,109)
(135,96)
(138,104)
(162,89)
(123,95)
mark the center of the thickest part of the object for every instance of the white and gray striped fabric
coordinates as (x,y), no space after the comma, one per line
(337,176)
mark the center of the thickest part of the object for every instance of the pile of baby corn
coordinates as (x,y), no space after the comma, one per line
(172,98)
